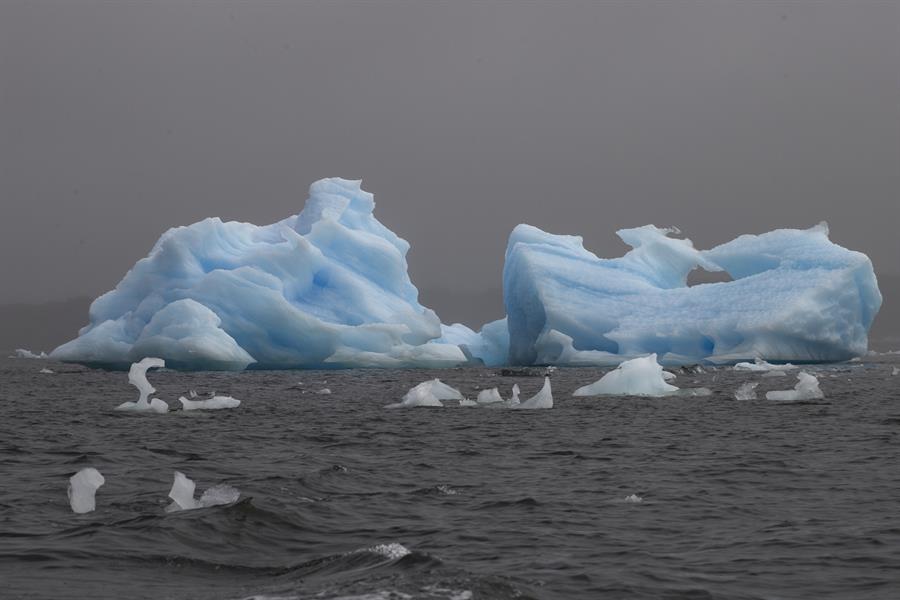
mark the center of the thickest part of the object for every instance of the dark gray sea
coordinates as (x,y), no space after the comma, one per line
(341,498)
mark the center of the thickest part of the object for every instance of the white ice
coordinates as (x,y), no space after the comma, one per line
(895,371)
(633,499)
(489,396)
(137,376)
(760,365)
(807,388)
(324,392)
(25,353)
(636,377)
(46,371)
(543,399)
(182,494)
(83,486)
(214,403)
(428,393)
(746,391)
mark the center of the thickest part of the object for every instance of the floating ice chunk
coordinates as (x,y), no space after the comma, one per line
(760,365)
(83,485)
(514,399)
(46,371)
(137,376)
(747,391)
(182,494)
(214,403)
(807,388)
(633,499)
(324,392)
(429,393)
(669,376)
(24,353)
(543,399)
(895,371)
(635,377)
(467,402)
(489,396)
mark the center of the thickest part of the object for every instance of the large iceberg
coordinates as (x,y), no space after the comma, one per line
(329,288)
(794,295)
(325,288)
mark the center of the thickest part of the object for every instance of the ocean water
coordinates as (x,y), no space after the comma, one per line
(341,498)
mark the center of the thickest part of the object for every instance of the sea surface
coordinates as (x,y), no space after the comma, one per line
(342,498)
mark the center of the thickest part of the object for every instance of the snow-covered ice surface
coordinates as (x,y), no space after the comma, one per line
(807,388)
(636,377)
(83,487)
(328,287)
(25,353)
(795,295)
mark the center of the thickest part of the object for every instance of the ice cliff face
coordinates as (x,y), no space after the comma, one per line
(328,287)
(795,295)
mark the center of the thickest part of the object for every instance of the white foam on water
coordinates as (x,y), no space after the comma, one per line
(46,371)
(392,550)
(182,494)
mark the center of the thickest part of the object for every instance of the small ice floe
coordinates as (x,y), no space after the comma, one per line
(213,403)
(895,371)
(24,353)
(83,486)
(46,371)
(514,399)
(182,495)
(428,393)
(137,376)
(747,391)
(633,499)
(543,399)
(324,392)
(807,388)
(761,365)
(489,396)
(467,402)
(636,377)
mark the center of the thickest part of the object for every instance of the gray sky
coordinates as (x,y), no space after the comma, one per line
(119,120)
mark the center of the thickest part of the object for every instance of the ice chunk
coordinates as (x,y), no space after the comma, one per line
(324,392)
(895,371)
(489,396)
(760,365)
(326,288)
(46,371)
(514,399)
(428,393)
(25,353)
(182,494)
(83,485)
(635,377)
(807,388)
(795,295)
(747,391)
(633,499)
(137,376)
(214,403)
(543,399)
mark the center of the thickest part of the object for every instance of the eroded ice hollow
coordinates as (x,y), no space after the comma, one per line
(329,288)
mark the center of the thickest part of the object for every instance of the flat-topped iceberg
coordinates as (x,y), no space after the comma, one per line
(326,288)
(794,295)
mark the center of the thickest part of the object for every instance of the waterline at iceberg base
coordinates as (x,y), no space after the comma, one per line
(329,288)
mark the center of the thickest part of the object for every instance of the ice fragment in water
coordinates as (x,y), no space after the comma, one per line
(182,494)
(46,371)
(543,399)
(761,365)
(25,353)
(633,499)
(214,403)
(635,377)
(83,486)
(747,391)
(324,392)
(807,388)
(428,393)
(137,376)
(489,396)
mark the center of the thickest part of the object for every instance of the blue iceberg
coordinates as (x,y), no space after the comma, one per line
(329,288)
(326,288)
(794,295)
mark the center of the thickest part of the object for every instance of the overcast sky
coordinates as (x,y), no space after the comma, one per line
(119,120)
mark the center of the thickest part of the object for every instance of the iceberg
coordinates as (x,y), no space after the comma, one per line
(83,485)
(794,295)
(635,377)
(807,388)
(326,288)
